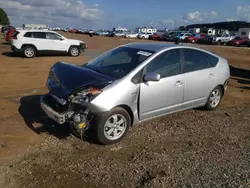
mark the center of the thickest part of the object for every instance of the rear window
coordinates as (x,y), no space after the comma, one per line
(39,35)
(28,34)
(213,60)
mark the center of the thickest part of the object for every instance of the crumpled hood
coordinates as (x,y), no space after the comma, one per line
(68,78)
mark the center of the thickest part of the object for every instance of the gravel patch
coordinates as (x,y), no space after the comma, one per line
(190,149)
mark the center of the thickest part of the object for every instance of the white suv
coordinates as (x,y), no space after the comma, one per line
(33,42)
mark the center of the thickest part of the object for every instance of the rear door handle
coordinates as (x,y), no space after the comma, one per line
(211,75)
(178,83)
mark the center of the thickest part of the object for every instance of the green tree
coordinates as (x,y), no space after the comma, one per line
(4,19)
(182,28)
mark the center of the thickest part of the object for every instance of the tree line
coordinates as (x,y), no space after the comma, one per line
(4,19)
(231,25)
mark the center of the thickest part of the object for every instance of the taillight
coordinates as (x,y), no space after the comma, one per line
(13,37)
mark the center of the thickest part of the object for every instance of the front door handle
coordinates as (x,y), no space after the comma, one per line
(211,75)
(178,83)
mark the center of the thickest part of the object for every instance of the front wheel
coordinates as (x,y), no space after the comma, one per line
(214,99)
(74,51)
(113,126)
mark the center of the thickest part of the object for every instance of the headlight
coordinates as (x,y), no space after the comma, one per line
(86,96)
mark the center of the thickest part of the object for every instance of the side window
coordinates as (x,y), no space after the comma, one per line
(28,35)
(53,36)
(39,35)
(195,60)
(166,64)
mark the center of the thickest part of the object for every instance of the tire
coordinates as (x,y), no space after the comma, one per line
(213,104)
(29,51)
(74,51)
(218,42)
(105,132)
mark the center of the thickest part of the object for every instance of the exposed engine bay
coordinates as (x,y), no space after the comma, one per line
(72,109)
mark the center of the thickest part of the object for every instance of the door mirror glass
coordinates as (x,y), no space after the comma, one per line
(152,76)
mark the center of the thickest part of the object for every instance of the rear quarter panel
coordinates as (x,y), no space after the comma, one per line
(223,71)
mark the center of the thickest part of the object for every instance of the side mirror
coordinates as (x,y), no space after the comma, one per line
(152,76)
(61,39)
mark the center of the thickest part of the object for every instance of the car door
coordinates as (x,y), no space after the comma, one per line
(39,40)
(56,42)
(199,76)
(166,95)
(224,38)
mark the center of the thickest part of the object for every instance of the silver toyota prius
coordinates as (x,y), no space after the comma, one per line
(131,84)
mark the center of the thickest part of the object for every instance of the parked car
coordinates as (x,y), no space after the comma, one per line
(238,41)
(144,35)
(6,29)
(72,30)
(248,44)
(10,34)
(101,33)
(223,39)
(206,40)
(119,34)
(131,35)
(195,37)
(111,34)
(131,84)
(155,36)
(182,36)
(32,42)
(168,37)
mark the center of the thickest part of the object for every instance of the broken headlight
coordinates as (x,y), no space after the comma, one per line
(86,96)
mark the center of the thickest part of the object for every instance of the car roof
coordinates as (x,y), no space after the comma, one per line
(158,46)
(150,46)
(35,30)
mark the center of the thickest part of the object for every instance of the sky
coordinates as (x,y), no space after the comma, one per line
(106,14)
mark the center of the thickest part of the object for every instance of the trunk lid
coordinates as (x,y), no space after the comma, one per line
(66,78)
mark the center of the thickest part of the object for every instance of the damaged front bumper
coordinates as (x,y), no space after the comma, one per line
(59,117)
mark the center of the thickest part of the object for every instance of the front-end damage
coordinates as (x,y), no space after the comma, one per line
(75,109)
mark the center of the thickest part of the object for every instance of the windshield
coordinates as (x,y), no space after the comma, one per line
(181,35)
(118,62)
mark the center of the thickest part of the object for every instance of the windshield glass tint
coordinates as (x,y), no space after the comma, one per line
(118,62)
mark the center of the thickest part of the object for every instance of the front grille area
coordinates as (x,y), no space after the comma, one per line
(82,46)
(52,103)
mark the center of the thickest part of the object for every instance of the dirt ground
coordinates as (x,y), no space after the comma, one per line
(189,149)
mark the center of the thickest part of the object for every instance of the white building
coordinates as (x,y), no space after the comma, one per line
(120,29)
(35,26)
(244,32)
(146,30)
(194,30)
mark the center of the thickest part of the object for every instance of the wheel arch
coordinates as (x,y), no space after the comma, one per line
(222,88)
(25,45)
(129,110)
(74,45)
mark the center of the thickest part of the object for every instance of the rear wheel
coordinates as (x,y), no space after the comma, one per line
(74,51)
(29,51)
(113,126)
(214,98)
